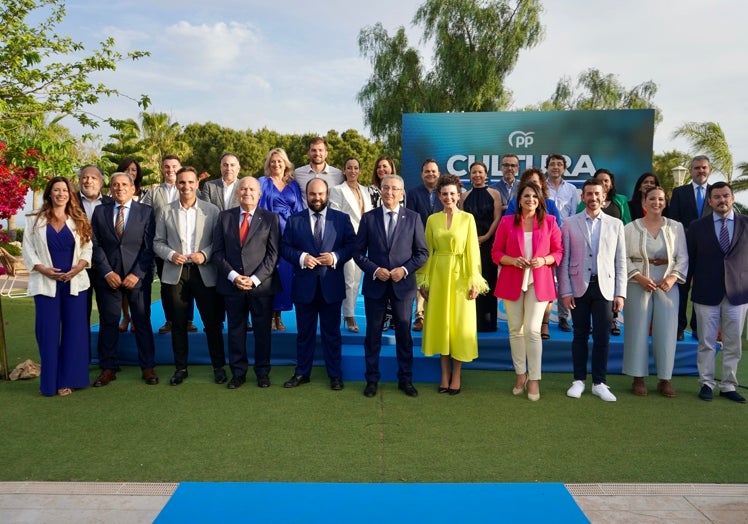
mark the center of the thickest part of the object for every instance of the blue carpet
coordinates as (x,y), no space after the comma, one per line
(375,503)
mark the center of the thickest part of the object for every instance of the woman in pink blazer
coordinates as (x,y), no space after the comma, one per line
(526,247)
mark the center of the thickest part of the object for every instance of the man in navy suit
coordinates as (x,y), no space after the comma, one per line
(245,251)
(718,256)
(318,241)
(687,204)
(390,247)
(123,233)
(424,200)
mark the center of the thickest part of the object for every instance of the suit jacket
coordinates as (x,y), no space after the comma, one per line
(168,239)
(258,255)
(338,238)
(419,201)
(35,250)
(158,198)
(637,259)
(133,253)
(682,205)
(506,193)
(575,268)
(105,199)
(510,241)
(343,199)
(717,275)
(213,192)
(408,250)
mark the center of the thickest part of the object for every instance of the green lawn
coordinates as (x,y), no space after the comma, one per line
(200,431)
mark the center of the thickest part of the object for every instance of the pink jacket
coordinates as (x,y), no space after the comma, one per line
(510,241)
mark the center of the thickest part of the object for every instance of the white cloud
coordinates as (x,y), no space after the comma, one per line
(209,48)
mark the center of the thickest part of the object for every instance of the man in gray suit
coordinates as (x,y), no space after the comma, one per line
(507,187)
(159,198)
(592,284)
(222,192)
(184,240)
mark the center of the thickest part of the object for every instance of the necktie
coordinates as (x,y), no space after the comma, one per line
(432,200)
(390,227)
(724,236)
(119,224)
(700,199)
(318,230)
(244,228)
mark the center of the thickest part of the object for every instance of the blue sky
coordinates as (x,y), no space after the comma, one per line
(294,66)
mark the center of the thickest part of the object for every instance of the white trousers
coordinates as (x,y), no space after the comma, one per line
(525,317)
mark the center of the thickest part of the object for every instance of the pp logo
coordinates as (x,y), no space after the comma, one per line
(521,139)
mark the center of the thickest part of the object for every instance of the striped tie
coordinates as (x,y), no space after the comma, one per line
(724,236)
(119,224)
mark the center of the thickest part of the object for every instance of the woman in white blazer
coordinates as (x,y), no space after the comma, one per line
(351,198)
(56,250)
(656,260)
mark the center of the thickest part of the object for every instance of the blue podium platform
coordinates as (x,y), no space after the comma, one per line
(493,350)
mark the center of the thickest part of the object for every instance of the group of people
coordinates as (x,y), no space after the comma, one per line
(307,239)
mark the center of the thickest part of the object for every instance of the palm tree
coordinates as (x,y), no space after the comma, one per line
(160,137)
(707,138)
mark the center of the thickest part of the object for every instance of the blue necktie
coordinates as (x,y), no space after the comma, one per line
(318,231)
(724,236)
(390,228)
(700,200)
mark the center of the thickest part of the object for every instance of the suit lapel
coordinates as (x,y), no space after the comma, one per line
(352,202)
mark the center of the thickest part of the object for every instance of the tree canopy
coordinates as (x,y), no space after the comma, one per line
(476,45)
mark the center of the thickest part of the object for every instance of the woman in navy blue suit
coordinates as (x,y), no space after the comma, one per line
(57,249)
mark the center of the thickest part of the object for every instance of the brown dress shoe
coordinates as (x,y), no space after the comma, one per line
(105,377)
(150,376)
(666,388)
(639,388)
(166,328)
(418,324)
(191,327)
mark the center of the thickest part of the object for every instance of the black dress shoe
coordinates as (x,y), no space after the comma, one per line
(443,390)
(178,377)
(336,384)
(263,382)
(219,375)
(681,335)
(454,391)
(236,381)
(563,325)
(296,381)
(371,389)
(732,395)
(706,393)
(408,389)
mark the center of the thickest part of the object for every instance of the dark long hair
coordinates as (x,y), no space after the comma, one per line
(540,212)
(72,209)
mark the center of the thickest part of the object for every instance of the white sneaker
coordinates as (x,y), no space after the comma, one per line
(576,389)
(603,391)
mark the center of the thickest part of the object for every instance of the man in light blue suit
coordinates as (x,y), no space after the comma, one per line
(592,284)
(318,241)
(390,247)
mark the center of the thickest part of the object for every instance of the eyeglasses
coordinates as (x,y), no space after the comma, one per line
(515,166)
(391,188)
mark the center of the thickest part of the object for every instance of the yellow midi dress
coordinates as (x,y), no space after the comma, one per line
(452,268)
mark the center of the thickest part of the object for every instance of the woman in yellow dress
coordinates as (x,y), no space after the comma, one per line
(449,281)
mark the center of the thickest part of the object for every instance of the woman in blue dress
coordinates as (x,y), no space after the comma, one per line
(280,194)
(56,250)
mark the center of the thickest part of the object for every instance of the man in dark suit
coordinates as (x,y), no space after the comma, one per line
(688,203)
(318,242)
(508,185)
(718,256)
(390,247)
(90,182)
(245,251)
(123,233)
(184,241)
(424,200)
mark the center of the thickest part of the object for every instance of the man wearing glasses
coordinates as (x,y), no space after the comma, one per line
(390,247)
(508,186)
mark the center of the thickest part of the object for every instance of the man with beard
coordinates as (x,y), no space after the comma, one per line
(718,256)
(318,242)
(317,168)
